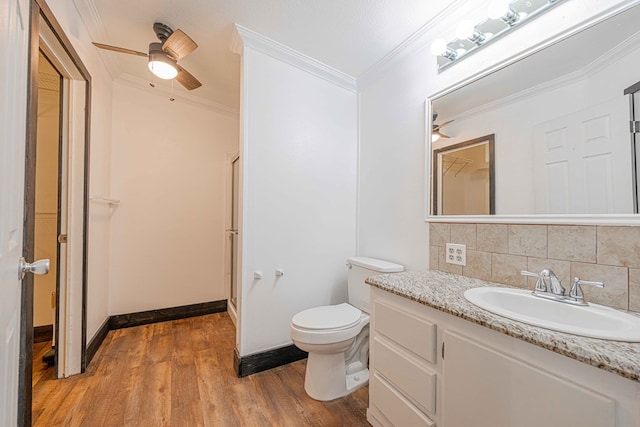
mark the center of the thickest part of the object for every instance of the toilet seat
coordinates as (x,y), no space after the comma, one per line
(338,316)
(329,324)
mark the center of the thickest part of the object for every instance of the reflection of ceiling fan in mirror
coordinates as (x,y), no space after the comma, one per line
(436,134)
(164,56)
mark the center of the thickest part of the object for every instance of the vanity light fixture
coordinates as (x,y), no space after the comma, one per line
(466,29)
(503,16)
(439,48)
(501,9)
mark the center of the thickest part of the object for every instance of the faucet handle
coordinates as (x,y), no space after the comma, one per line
(528,273)
(541,284)
(576,290)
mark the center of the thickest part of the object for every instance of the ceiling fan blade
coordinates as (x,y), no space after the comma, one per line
(187,79)
(442,135)
(179,45)
(446,123)
(119,49)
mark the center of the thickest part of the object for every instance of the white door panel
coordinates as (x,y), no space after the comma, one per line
(574,158)
(14,51)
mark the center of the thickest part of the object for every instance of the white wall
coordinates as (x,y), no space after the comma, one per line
(99,180)
(299,160)
(392,197)
(168,170)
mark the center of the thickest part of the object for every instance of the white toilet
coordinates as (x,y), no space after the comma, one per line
(337,336)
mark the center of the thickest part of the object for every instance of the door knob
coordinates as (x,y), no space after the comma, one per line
(37,267)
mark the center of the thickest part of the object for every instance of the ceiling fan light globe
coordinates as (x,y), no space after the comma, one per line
(163,70)
(161,64)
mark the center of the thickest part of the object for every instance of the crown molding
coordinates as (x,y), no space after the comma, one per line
(96,29)
(613,55)
(244,37)
(159,89)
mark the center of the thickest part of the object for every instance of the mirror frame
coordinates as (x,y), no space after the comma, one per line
(574,219)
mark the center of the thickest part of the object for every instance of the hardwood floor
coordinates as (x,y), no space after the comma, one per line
(180,373)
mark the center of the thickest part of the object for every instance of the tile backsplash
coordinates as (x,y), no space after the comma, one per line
(498,252)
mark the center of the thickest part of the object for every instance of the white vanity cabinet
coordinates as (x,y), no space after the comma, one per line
(485,379)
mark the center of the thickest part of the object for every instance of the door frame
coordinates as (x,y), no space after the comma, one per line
(231,250)
(40,16)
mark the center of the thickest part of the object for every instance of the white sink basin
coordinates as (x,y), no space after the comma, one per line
(595,321)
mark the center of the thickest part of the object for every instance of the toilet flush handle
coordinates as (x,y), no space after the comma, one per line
(348,265)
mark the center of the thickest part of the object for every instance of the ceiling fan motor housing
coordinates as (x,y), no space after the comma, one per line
(162,31)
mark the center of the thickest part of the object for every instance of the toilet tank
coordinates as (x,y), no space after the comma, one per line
(359,269)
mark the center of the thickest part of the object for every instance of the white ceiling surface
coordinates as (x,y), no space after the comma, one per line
(348,35)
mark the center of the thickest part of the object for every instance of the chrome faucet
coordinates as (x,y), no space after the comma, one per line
(576,295)
(547,283)
(549,286)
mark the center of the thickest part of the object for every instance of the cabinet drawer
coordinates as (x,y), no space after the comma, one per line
(413,333)
(415,381)
(394,406)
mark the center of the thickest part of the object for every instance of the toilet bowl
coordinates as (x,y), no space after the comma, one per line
(337,336)
(337,340)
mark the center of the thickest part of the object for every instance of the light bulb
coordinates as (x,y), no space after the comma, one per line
(435,137)
(465,29)
(438,47)
(498,8)
(162,70)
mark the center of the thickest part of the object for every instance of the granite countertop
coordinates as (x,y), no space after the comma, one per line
(444,292)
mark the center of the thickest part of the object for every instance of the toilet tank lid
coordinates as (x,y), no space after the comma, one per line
(376,264)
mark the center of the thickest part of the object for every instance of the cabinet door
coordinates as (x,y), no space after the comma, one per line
(483,387)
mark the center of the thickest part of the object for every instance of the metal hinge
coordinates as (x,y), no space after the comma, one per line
(442,350)
(634,127)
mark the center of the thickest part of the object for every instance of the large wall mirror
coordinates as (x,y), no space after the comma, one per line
(560,117)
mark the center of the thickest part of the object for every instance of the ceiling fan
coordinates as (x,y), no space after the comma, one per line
(435,131)
(164,56)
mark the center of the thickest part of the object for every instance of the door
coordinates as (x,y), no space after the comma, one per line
(232,234)
(75,91)
(578,152)
(484,387)
(14,52)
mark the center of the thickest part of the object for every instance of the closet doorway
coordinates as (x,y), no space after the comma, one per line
(232,251)
(50,48)
(50,215)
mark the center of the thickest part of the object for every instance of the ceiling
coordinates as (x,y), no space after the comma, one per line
(350,36)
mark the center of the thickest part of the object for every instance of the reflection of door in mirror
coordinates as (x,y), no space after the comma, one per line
(634,105)
(464,178)
(575,158)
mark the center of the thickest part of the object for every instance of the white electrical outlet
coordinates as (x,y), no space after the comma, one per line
(456,254)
